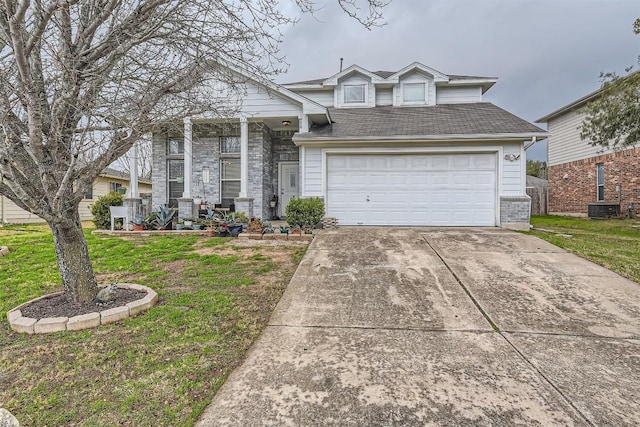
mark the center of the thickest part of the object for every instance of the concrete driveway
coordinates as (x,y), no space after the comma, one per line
(424,326)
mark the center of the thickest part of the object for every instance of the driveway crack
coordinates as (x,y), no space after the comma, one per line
(464,288)
(512,345)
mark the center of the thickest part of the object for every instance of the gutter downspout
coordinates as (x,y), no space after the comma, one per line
(529,144)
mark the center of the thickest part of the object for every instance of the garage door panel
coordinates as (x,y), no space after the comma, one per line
(415,189)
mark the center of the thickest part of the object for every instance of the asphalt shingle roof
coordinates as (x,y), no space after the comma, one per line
(453,119)
(385,75)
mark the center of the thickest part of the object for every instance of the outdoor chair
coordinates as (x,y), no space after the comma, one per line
(119,212)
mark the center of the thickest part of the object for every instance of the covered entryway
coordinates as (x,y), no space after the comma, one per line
(412,189)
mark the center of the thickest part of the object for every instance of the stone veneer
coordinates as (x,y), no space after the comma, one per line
(573,185)
(85,321)
(266,149)
(515,212)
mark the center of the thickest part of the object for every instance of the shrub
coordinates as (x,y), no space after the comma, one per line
(304,213)
(100,210)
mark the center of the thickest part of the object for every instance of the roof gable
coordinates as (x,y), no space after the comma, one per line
(437,75)
(354,69)
(308,106)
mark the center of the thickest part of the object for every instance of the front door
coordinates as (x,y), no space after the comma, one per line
(288,183)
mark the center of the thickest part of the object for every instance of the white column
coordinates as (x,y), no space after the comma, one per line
(188,157)
(303,124)
(134,192)
(244,156)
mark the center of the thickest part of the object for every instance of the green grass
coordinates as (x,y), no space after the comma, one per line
(614,243)
(158,369)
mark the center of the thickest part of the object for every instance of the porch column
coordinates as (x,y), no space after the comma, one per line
(133,172)
(303,124)
(188,157)
(244,157)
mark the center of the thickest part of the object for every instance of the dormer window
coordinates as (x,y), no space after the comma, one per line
(354,94)
(414,93)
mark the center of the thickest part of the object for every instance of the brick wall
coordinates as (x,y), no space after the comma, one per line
(573,185)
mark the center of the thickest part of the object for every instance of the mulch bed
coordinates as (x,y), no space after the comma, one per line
(58,306)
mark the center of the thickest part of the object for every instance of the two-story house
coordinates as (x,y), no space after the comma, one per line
(582,176)
(407,147)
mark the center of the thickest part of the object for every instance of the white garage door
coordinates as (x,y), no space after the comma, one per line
(412,189)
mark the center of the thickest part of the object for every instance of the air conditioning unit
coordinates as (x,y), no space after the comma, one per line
(603,210)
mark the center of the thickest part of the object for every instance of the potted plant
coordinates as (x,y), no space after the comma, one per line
(197,224)
(188,222)
(255,226)
(221,231)
(138,223)
(232,226)
(164,218)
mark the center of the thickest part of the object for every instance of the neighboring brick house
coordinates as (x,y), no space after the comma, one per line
(580,174)
(407,147)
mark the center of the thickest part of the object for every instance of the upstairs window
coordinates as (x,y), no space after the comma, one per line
(600,169)
(414,93)
(354,94)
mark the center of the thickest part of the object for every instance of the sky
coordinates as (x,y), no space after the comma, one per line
(545,53)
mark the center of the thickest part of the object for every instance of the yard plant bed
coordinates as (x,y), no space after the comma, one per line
(612,243)
(157,369)
(59,306)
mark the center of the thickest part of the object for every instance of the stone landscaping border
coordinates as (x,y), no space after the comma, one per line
(243,235)
(85,321)
(276,236)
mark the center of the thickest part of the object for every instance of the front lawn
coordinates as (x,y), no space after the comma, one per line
(613,243)
(158,369)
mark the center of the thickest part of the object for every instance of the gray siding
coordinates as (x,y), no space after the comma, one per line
(384,97)
(565,144)
(458,95)
(322,97)
(313,173)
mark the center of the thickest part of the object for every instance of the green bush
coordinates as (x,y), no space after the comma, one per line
(100,210)
(304,213)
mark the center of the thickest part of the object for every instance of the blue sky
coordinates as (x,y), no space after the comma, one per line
(546,53)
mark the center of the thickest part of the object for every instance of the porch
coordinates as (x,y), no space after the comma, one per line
(243,165)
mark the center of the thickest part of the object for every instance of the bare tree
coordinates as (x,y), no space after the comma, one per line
(82,80)
(144,156)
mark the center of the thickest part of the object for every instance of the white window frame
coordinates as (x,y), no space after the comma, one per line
(414,102)
(599,185)
(222,144)
(365,93)
(222,179)
(172,181)
(176,142)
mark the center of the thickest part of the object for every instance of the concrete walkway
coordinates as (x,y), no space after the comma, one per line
(426,326)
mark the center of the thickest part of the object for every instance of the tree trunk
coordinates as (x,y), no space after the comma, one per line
(74,264)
